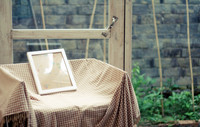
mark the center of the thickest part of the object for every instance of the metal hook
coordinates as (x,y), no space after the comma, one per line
(114,20)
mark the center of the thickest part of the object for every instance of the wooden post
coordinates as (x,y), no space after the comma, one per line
(120,43)
(116,42)
(6,46)
(128,36)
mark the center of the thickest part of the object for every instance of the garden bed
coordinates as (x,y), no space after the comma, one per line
(177,103)
(180,123)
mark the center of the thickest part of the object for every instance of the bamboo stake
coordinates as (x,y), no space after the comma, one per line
(105,9)
(189,52)
(43,23)
(35,22)
(91,23)
(159,58)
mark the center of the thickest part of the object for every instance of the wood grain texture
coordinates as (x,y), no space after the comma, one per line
(6,48)
(116,42)
(59,33)
(128,36)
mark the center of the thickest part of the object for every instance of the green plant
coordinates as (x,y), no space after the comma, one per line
(177,106)
(141,83)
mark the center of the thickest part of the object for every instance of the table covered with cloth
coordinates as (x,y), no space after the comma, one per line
(104,98)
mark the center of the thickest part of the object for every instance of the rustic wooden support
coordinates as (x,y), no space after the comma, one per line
(104,24)
(59,33)
(6,44)
(116,42)
(128,36)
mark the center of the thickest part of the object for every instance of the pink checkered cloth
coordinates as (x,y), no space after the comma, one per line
(104,98)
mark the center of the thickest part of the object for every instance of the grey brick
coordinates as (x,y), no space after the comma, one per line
(183,81)
(144,63)
(141,9)
(19,46)
(166,62)
(54,2)
(134,19)
(144,1)
(171,72)
(167,28)
(144,29)
(55,19)
(97,52)
(24,2)
(79,2)
(195,70)
(80,19)
(20,57)
(73,54)
(162,8)
(174,18)
(195,52)
(68,44)
(147,19)
(173,1)
(152,72)
(99,2)
(171,52)
(99,19)
(183,62)
(145,53)
(144,43)
(87,10)
(194,2)
(81,44)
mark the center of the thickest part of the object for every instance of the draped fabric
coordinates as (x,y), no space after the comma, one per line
(104,98)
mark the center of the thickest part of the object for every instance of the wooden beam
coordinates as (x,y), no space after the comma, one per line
(128,36)
(116,42)
(59,33)
(6,48)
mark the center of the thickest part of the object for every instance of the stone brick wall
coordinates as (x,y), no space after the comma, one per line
(172,33)
(60,14)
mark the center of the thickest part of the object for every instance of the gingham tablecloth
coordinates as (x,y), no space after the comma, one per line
(104,98)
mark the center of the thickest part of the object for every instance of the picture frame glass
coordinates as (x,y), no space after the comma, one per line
(51,71)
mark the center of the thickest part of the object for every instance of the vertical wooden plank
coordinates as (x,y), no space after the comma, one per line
(6,48)
(116,42)
(128,36)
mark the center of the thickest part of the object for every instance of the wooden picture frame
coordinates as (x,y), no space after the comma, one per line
(51,71)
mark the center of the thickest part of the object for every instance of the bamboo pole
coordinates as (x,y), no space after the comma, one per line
(35,21)
(159,58)
(91,23)
(189,52)
(105,9)
(43,23)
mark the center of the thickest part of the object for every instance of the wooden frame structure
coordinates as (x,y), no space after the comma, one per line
(120,36)
(6,45)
